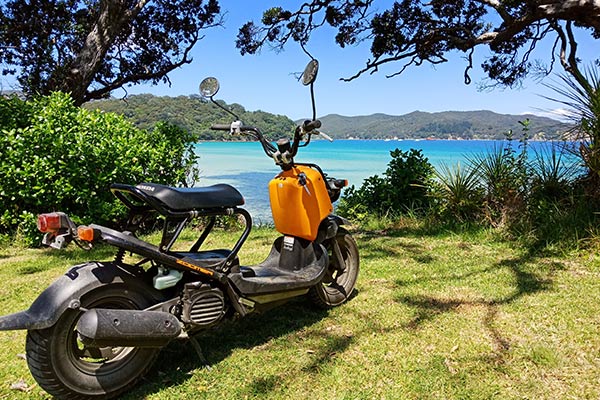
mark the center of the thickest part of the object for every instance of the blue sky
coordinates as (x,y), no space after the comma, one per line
(266,82)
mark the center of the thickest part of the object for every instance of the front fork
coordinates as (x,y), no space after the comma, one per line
(328,232)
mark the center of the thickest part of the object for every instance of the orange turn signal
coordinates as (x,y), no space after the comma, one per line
(86,233)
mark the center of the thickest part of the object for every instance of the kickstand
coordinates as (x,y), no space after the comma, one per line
(198,349)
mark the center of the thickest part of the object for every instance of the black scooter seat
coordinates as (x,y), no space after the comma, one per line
(181,199)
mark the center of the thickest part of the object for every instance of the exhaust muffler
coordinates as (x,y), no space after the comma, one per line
(100,327)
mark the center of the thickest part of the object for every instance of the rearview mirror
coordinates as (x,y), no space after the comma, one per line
(310,72)
(209,87)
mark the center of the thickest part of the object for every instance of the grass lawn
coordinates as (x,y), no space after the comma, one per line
(444,316)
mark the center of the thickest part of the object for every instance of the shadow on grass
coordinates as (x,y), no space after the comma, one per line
(527,283)
(384,250)
(418,228)
(323,355)
(177,361)
(412,229)
(378,247)
(445,278)
(31,269)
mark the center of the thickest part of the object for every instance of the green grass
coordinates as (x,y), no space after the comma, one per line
(435,316)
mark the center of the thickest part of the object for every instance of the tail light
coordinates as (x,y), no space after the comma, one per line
(58,229)
(51,222)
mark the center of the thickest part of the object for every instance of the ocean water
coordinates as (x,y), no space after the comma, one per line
(245,166)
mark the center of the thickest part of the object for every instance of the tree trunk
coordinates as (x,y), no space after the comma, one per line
(112,16)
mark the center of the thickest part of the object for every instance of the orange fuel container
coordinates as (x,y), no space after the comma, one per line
(299,209)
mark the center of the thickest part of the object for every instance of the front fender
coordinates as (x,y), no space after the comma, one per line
(65,293)
(329,227)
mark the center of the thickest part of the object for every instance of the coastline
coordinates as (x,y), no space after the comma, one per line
(244,165)
(531,139)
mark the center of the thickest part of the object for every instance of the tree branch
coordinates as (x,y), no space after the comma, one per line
(500,9)
(417,31)
(585,12)
(135,78)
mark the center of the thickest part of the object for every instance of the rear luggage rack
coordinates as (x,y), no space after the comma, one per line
(177,207)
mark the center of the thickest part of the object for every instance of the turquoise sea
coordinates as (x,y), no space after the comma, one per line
(245,166)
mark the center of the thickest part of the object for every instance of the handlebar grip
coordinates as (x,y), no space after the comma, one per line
(311,125)
(220,127)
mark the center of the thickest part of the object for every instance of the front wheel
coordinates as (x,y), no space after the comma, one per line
(338,283)
(67,369)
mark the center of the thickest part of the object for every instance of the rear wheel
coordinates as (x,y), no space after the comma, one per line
(67,369)
(338,283)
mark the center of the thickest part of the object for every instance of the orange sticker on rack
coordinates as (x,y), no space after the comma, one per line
(195,267)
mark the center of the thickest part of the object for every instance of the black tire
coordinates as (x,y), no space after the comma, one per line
(63,367)
(338,283)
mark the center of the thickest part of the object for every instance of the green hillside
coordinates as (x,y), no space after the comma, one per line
(441,125)
(196,115)
(192,113)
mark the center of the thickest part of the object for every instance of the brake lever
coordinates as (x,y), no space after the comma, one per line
(326,136)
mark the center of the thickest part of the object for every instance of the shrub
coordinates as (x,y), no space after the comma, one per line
(556,208)
(404,187)
(535,196)
(502,183)
(55,156)
(581,97)
(553,172)
(459,193)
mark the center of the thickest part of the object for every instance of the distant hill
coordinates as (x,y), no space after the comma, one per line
(441,125)
(196,115)
(192,113)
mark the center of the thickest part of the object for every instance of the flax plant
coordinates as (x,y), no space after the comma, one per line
(503,183)
(553,172)
(458,188)
(582,99)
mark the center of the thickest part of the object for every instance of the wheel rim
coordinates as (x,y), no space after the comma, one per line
(107,370)
(99,361)
(338,276)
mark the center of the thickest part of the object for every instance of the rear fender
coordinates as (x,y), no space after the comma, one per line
(66,293)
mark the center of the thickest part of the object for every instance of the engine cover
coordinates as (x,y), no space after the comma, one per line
(203,305)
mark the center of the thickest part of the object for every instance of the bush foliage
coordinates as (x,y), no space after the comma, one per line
(537,196)
(56,156)
(530,194)
(404,187)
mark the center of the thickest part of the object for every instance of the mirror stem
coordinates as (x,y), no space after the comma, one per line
(312,98)
(224,108)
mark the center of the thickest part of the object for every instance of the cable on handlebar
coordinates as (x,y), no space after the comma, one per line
(268,148)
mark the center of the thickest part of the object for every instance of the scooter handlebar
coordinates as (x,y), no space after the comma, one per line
(220,127)
(234,127)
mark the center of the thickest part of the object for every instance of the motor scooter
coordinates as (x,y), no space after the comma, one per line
(97,329)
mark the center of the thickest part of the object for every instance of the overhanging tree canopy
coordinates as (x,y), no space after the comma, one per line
(89,48)
(413,32)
